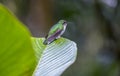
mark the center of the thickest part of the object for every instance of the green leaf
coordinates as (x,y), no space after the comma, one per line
(16,52)
(54,58)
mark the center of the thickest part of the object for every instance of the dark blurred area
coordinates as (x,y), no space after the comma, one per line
(94,26)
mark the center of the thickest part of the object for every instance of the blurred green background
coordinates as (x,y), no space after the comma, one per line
(95,27)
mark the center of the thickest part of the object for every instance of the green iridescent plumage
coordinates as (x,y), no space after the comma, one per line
(54,29)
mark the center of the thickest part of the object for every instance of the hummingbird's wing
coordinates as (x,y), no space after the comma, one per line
(56,29)
(52,37)
(54,32)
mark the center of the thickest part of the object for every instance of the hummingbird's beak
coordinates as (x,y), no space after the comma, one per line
(70,23)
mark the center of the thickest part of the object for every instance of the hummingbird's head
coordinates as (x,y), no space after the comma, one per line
(63,22)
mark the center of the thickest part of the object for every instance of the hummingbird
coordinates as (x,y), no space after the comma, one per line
(55,32)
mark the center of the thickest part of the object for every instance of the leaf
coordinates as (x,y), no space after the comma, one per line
(16,52)
(55,57)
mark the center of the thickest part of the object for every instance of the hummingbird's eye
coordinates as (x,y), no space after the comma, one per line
(64,22)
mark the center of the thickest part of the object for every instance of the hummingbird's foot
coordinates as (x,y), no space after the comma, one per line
(58,37)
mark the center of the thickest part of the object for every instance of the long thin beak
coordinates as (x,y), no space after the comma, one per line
(70,23)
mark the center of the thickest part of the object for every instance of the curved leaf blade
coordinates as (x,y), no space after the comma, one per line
(17,56)
(56,57)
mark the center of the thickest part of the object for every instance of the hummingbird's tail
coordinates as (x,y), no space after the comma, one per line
(48,41)
(45,42)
